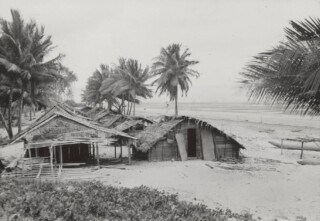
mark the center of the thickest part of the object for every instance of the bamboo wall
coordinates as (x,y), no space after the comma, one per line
(164,150)
(183,128)
(225,148)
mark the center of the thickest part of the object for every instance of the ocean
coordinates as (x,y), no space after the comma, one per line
(256,113)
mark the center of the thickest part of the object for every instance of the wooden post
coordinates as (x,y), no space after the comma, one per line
(60,153)
(29,151)
(54,155)
(51,159)
(281,146)
(93,150)
(36,149)
(115,151)
(301,149)
(129,155)
(98,157)
(120,149)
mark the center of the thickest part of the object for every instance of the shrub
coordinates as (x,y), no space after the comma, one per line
(30,200)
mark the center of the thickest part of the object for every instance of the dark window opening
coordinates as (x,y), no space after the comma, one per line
(192,150)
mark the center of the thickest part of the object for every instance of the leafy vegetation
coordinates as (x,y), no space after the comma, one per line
(27,77)
(290,72)
(94,201)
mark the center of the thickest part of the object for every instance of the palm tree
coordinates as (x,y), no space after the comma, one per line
(289,73)
(23,47)
(128,82)
(13,54)
(173,70)
(92,94)
(135,77)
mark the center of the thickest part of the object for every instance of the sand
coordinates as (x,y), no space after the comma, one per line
(269,183)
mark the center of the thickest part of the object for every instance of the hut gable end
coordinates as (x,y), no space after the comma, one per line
(56,127)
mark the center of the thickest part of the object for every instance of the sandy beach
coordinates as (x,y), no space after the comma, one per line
(268,183)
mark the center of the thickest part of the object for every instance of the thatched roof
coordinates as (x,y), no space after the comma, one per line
(85,124)
(153,133)
(128,124)
(109,120)
(205,124)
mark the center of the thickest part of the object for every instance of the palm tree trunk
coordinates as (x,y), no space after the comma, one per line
(128,110)
(131,104)
(176,102)
(134,106)
(109,105)
(10,134)
(32,84)
(122,105)
(4,122)
(20,109)
(30,114)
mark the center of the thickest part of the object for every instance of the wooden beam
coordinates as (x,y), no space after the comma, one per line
(301,150)
(51,160)
(60,153)
(93,150)
(129,154)
(120,141)
(54,149)
(29,151)
(98,157)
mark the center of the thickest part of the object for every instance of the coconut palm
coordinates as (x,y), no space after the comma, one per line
(289,73)
(14,53)
(92,94)
(23,47)
(173,70)
(128,82)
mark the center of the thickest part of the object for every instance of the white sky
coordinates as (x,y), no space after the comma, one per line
(222,35)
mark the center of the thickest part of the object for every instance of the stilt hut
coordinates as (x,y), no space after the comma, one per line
(183,138)
(62,138)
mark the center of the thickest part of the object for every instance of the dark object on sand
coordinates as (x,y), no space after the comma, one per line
(309,162)
(297,146)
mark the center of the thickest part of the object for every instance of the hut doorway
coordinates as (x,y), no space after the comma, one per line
(192,141)
(73,153)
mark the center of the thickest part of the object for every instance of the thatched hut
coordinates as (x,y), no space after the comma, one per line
(66,138)
(182,138)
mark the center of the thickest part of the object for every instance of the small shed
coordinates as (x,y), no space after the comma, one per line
(183,138)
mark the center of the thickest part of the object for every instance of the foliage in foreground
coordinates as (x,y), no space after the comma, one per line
(94,201)
(290,72)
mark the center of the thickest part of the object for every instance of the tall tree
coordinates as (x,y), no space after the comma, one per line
(92,94)
(14,53)
(128,82)
(173,70)
(23,48)
(289,73)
